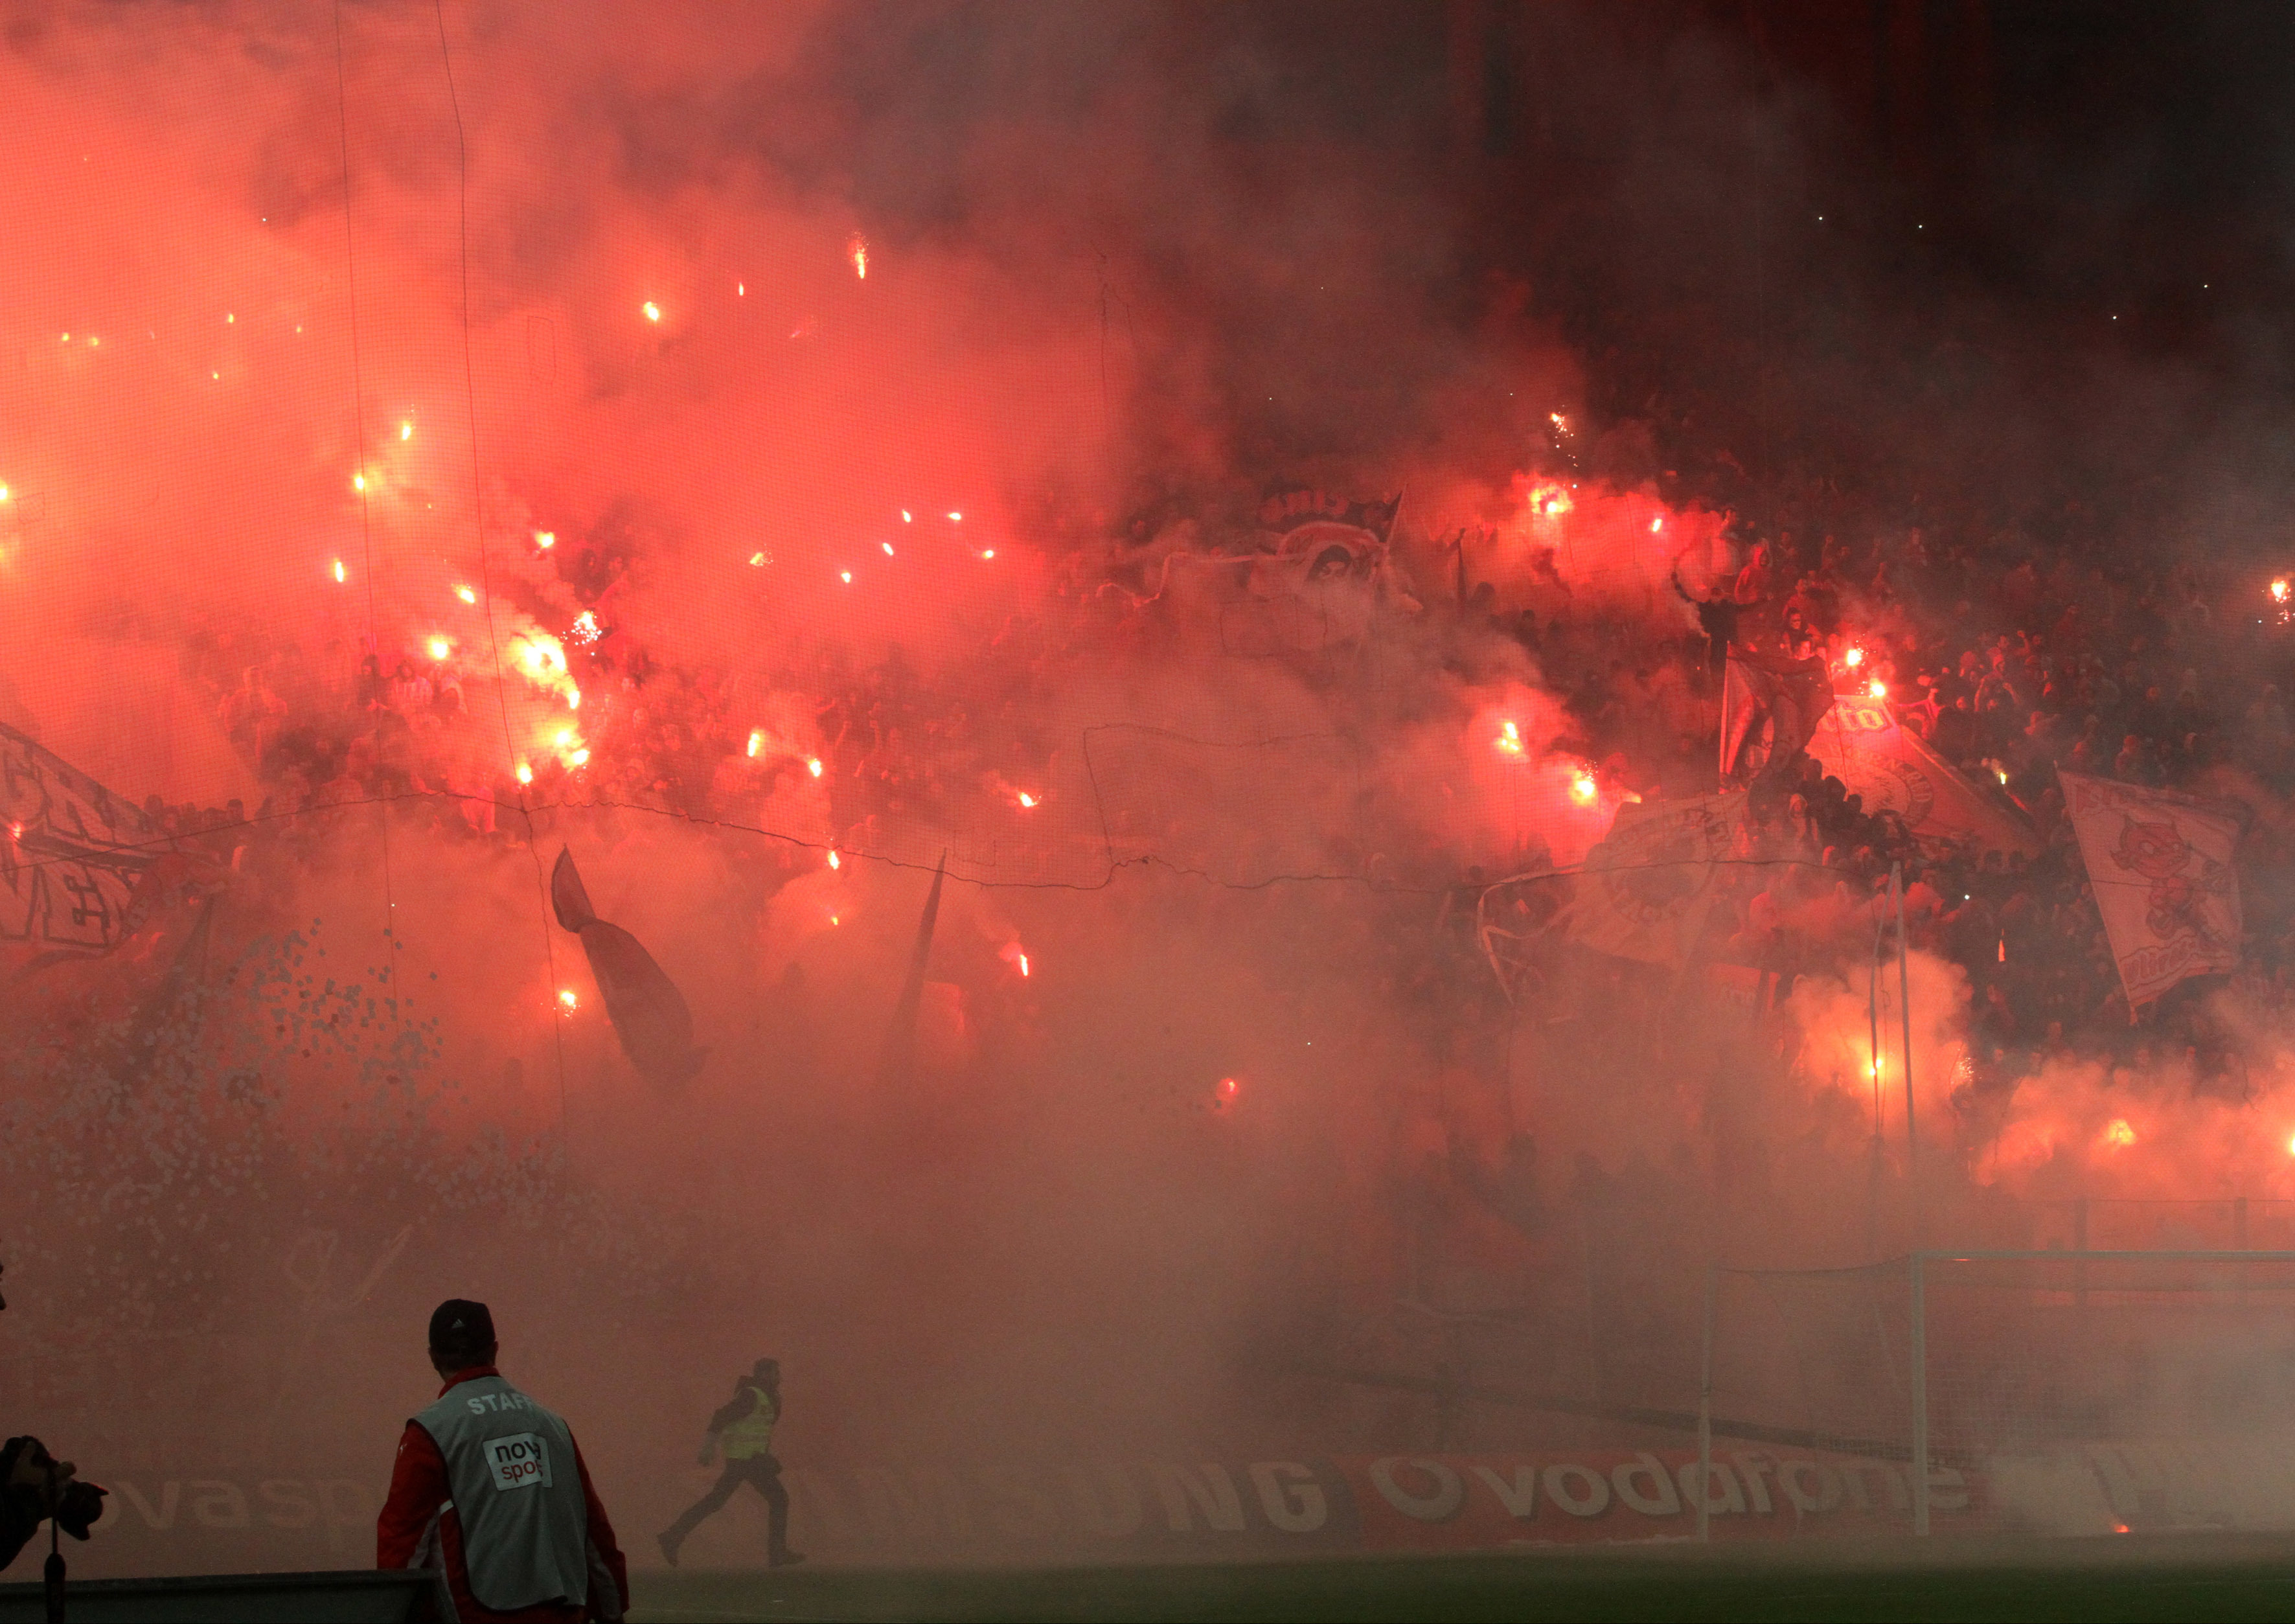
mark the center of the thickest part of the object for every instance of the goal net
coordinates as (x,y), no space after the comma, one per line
(2048,1390)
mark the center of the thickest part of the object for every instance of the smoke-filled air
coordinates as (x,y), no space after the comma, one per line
(1151,733)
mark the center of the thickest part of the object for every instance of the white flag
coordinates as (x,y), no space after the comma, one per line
(2161,863)
(1644,890)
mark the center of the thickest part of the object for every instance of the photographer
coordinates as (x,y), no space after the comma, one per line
(35,1486)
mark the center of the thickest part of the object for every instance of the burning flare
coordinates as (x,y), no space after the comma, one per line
(1549,500)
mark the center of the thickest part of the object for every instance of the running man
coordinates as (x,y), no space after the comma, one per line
(744,1427)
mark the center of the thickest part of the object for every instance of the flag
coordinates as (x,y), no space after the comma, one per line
(1643,892)
(1864,745)
(900,1054)
(649,1013)
(1770,708)
(70,855)
(2162,865)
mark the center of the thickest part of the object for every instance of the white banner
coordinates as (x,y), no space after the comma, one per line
(1644,890)
(2161,863)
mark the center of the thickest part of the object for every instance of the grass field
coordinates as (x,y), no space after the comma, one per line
(2166,1576)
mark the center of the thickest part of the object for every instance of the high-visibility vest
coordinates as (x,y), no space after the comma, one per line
(753,1434)
(517,1492)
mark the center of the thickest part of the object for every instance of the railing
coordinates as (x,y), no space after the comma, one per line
(2233,1223)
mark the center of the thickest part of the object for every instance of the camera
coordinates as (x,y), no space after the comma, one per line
(26,1469)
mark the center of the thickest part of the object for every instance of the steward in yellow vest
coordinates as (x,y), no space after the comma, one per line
(743,1428)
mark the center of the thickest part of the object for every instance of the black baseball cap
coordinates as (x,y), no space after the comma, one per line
(459,1326)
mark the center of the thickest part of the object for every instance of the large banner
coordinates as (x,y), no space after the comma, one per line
(1862,744)
(1643,892)
(2161,863)
(1770,706)
(71,854)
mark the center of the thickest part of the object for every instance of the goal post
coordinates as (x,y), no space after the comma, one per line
(1949,1378)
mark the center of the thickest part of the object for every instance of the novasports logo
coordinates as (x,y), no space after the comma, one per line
(1385,1502)
(1087,1509)
(1465,1501)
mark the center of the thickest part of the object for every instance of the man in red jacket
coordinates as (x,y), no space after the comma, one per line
(491,1489)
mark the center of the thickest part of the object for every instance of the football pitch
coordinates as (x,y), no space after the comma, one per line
(2164,1576)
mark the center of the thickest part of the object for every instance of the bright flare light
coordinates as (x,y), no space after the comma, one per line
(1583,789)
(545,539)
(756,561)
(2279,591)
(2119,1135)
(358,482)
(567,997)
(339,576)
(1509,738)
(1549,502)
(466,594)
(652,311)
(1026,799)
(439,648)
(835,862)
(1853,659)
(887,546)
(1879,690)
(406,431)
(524,773)
(956,519)
(756,741)
(813,766)
(844,575)
(857,250)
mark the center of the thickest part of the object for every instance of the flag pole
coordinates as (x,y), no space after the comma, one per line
(1872,1071)
(1905,998)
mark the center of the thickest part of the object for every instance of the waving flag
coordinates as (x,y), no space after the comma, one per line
(648,1011)
(71,856)
(1770,708)
(1643,892)
(2162,865)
